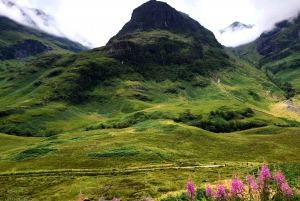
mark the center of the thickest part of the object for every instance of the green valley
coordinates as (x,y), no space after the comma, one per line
(133,119)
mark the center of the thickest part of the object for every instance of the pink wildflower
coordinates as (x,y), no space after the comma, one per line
(237,187)
(264,174)
(190,189)
(249,179)
(208,190)
(279,178)
(286,190)
(298,191)
(221,194)
(253,185)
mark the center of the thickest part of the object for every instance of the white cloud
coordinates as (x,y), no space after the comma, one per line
(98,20)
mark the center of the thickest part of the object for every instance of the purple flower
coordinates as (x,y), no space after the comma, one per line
(115,199)
(208,190)
(279,178)
(221,194)
(254,186)
(286,190)
(237,187)
(249,179)
(264,174)
(190,189)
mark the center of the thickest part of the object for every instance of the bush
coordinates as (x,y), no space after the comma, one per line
(119,152)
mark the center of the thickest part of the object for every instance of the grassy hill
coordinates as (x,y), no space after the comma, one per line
(128,122)
(133,118)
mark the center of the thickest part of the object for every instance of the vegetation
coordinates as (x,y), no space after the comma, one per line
(262,188)
(133,119)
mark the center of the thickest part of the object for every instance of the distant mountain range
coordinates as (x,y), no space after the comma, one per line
(236,26)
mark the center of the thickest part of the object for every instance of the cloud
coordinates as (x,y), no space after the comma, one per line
(30,17)
(97,21)
(269,12)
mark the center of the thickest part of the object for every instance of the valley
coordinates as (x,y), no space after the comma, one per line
(133,119)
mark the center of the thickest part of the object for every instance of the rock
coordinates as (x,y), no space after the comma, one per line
(24,49)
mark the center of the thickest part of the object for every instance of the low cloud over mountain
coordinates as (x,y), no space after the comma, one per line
(236,26)
(34,18)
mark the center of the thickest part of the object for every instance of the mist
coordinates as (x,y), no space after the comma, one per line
(29,17)
(269,12)
(94,22)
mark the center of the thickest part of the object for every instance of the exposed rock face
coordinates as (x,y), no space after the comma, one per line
(7,25)
(174,37)
(236,26)
(284,35)
(155,15)
(24,49)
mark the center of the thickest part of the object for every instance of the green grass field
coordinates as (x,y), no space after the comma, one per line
(58,167)
(122,135)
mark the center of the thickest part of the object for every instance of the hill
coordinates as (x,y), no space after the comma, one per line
(276,52)
(132,119)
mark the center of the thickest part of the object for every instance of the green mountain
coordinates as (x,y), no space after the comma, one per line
(18,41)
(168,58)
(132,119)
(277,53)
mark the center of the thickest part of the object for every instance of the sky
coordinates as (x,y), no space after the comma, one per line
(94,22)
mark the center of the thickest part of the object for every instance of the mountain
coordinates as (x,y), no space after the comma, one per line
(18,41)
(34,22)
(150,104)
(236,26)
(157,33)
(276,52)
(33,18)
(158,45)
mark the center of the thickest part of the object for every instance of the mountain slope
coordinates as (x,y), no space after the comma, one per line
(176,66)
(149,105)
(277,52)
(158,34)
(18,41)
(236,26)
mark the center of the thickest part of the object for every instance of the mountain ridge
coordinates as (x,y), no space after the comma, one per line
(235,26)
(149,100)
(14,38)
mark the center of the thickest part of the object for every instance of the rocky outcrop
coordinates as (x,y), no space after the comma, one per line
(155,15)
(24,49)
(7,25)
(284,35)
(158,33)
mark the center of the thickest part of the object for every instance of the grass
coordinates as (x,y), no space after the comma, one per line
(99,123)
(158,146)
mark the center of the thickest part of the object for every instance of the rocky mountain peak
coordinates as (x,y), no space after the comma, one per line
(157,15)
(158,33)
(236,26)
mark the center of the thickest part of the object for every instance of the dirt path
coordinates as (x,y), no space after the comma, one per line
(98,172)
